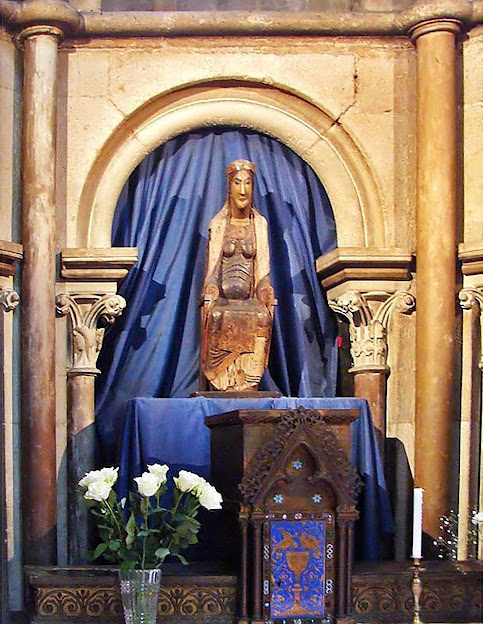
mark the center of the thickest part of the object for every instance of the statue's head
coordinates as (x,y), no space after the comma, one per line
(240,185)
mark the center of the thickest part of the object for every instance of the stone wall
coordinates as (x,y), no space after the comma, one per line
(241,5)
(472,133)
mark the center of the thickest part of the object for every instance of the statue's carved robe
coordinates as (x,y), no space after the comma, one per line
(236,330)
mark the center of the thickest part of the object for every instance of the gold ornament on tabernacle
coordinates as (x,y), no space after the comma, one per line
(238,298)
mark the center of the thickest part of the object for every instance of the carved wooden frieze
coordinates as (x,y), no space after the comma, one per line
(452,592)
(320,435)
(449,595)
(179,602)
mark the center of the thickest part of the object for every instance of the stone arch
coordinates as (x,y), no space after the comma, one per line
(309,131)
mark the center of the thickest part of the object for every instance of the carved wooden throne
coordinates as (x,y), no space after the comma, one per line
(296,507)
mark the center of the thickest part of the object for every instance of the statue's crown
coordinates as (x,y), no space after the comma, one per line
(240,165)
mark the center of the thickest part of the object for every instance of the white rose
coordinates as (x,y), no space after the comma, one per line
(208,496)
(477,518)
(90,477)
(148,484)
(98,491)
(109,475)
(188,481)
(159,471)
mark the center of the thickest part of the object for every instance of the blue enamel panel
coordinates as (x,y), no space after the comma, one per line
(297,553)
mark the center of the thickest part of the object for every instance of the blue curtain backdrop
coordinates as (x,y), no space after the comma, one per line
(164,210)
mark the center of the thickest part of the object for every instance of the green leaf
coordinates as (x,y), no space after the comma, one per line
(181,558)
(128,555)
(127,565)
(112,498)
(145,533)
(131,525)
(102,547)
(162,553)
(114,545)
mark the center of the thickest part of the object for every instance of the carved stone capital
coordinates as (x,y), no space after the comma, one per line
(368,328)
(472,298)
(9,299)
(85,312)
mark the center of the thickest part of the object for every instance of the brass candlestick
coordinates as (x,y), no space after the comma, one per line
(417,589)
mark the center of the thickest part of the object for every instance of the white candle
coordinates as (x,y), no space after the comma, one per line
(417,522)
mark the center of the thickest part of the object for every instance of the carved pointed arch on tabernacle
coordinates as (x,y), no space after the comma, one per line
(309,131)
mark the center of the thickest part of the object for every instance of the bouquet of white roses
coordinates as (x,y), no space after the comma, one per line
(144,535)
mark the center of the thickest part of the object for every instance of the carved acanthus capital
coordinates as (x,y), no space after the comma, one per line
(368,328)
(9,299)
(85,313)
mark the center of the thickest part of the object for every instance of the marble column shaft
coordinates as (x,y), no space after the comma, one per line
(372,385)
(39,492)
(81,446)
(436,264)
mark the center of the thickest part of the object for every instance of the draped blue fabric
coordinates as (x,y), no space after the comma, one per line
(164,210)
(173,432)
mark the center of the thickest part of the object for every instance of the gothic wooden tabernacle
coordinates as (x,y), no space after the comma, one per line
(290,497)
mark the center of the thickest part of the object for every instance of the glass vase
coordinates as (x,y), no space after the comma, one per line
(139,593)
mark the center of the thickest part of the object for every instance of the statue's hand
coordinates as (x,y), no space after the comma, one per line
(266,295)
(210,295)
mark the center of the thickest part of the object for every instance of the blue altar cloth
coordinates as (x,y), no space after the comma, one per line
(172,431)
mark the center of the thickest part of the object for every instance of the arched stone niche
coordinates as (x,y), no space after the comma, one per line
(309,131)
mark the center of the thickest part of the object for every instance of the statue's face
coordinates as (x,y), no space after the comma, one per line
(241,190)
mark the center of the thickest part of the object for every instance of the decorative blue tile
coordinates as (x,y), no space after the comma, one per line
(278,498)
(297,464)
(298,573)
(317,498)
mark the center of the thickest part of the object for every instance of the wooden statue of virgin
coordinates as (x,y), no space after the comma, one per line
(238,298)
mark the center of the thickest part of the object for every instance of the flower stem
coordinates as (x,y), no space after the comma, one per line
(111,511)
(145,528)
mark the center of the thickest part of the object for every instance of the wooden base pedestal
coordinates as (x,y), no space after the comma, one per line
(452,593)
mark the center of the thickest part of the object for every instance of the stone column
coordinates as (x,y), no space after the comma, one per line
(8,301)
(471,440)
(38,292)
(86,314)
(368,336)
(435,42)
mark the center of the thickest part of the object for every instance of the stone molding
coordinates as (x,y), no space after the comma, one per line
(85,312)
(348,268)
(368,328)
(10,253)
(106,264)
(204,23)
(55,14)
(435,25)
(471,257)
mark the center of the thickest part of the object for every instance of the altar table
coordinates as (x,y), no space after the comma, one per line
(172,431)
